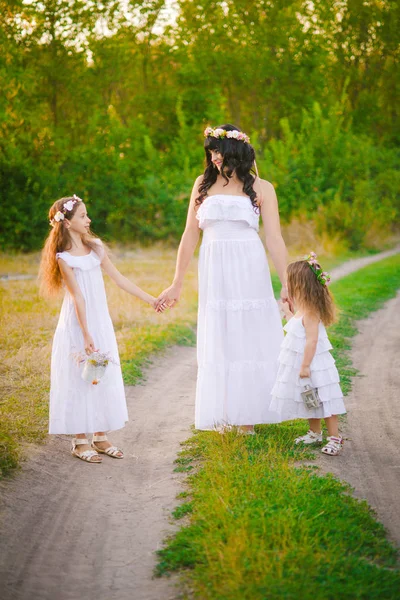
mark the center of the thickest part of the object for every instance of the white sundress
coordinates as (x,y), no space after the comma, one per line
(239,326)
(77,406)
(286,398)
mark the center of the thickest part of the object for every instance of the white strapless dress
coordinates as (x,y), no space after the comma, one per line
(239,326)
(77,406)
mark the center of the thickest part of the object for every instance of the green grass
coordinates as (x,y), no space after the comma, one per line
(260,526)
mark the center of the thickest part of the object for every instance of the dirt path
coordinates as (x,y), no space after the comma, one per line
(70,530)
(370,461)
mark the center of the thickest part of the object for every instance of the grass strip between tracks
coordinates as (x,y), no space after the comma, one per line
(259,525)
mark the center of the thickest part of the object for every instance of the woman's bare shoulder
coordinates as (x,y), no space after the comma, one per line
(266,185)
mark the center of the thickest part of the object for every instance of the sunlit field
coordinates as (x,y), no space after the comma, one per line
(28,323)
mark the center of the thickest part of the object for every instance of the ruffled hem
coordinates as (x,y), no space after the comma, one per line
(227,208)
(289,392)
(237,366)
(241,304)
(296,344)
(320,362)
(319,378)
(289,410)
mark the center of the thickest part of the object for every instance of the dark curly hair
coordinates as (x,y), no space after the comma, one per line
(238,157)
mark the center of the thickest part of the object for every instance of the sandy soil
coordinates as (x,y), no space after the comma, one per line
(71,530)
(370,460)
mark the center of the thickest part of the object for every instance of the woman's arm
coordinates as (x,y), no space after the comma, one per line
(124,283)
(311,326)
(79,302)
(187,246)
(273,236)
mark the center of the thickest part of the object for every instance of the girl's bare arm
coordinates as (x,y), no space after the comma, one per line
(124,283)
(79,303)
(311,326)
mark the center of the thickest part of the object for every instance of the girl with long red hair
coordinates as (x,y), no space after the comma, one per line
(74,258)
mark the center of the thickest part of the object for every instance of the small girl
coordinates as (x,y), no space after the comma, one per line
(305,354)
(73,257)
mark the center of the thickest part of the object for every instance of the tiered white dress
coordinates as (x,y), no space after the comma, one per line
(239,327)
(77,406)
(286,398)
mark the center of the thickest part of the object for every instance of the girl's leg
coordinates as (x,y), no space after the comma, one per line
(315,425)
(105,444)
(332,424)
(334,443)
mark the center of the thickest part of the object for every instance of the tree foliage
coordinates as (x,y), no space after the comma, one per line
(109,100)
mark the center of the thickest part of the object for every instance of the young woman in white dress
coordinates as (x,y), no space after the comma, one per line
(239,326)
(73,257)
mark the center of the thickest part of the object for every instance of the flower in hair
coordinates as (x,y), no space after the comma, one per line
(222,133)
(322,276)
(59,216)
(69,205)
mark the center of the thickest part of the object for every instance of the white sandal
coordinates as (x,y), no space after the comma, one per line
(111,451)
(310,438)
(87,455)
(334,446)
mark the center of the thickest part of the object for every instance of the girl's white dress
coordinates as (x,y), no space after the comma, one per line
(286,398)
(77,406)
(239,327)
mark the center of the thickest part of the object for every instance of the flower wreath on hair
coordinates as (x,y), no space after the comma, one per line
(322,276)
(222,133)
(67,206)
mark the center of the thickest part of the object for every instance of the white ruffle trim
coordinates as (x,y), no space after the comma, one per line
(290,392)
(242,304)
(319,378)
(322,360)
(296,344)
(227,208)
(288,410)
(85,263)
(238,366)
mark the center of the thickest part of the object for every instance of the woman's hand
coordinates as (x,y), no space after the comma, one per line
(168,298)
(286,310)
(89,344)
(284,295)
(305,372)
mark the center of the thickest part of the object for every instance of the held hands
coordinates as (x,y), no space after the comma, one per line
(284,295)
(168,298)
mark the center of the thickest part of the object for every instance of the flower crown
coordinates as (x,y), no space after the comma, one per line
(322,276)
(67,206)
(222,133)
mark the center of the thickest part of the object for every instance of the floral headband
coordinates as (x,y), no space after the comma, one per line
(322,276)
(67,206)
(222,133)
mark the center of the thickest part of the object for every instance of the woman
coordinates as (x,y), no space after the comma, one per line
(239,327)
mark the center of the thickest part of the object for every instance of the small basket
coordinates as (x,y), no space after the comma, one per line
(310,394)
(94,368)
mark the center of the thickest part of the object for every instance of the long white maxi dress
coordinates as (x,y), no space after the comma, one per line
(239,326)
(77,406)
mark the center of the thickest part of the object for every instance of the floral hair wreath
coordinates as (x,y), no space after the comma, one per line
(67,206)
(322,276)
(222,133)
